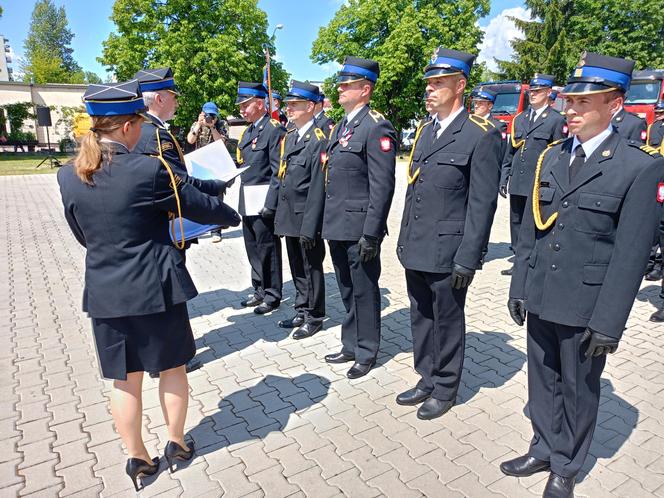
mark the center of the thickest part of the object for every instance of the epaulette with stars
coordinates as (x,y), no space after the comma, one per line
(484,124)
(377,116)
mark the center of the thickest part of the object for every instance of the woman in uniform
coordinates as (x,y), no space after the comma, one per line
(118,206)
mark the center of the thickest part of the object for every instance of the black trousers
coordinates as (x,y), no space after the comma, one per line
(264,253)
(563,394)
(438,325)
(306,267)
(358,285)
(517,208)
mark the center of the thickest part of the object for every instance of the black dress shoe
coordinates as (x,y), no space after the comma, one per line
(523,466)
(507,272)
(413,396)
(654,275)
(264,308)
(359,370)
(657,316)
(250,302)
(559,487)
(434,408)
(339,357)
(291,323)
(307,330)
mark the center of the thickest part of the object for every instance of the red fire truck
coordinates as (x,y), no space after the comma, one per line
(511,99)
(644,92)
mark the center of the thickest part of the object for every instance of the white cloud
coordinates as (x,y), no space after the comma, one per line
(498,34)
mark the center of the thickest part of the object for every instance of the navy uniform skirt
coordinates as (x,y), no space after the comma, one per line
(146,343)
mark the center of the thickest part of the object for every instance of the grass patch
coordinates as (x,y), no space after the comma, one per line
(26,163)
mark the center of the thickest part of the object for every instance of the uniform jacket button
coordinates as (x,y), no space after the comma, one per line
(556,247)
(598,203)
(418,199)
(565,204)
(561,226)
(554,267)
(417,216)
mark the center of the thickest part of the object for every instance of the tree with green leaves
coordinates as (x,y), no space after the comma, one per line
(401,35)
(560,30)
(48,47)
(209,44)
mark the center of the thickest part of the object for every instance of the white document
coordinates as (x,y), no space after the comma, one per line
(212,162)
(254,198)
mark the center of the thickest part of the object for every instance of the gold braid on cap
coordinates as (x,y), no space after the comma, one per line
(413,177)
(537,213)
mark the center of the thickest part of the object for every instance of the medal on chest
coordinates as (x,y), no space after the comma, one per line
(253,143)
(345,137)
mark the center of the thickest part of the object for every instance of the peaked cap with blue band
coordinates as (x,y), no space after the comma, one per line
(276,96)
(300,90)
(596,73)
(152,80)
(483,94)
(541,81)
(448,62)
(659,107)
(356,69)
(249,90)
(114,99)
(321,97)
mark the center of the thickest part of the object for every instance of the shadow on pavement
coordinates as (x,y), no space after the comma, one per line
(255,412)
(498,250)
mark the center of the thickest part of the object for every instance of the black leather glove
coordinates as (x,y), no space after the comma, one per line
(517,309)
(368,248)
(461,276)
(502,190)
(307,243)
(598,344)
(266,213)
(221,188)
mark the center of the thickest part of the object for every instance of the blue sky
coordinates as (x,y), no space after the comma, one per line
(89,20)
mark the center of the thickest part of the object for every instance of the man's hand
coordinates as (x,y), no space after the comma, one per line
(368,248)
(461,276)
(517,309)
(599,344)
(502,190)
(266,213)
(307,243)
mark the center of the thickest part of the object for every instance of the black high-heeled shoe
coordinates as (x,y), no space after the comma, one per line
(137,467)
(174,451)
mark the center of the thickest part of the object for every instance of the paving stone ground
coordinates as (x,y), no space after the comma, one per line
(269,416)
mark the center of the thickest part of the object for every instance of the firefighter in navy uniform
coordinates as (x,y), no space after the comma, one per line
(451,198)
(321,120)
(483,100)
(655,133)
(118,205)
(299,216)
(532,131)
(160,94)
(259,147)
(359,190)
(579,262)
(629,125)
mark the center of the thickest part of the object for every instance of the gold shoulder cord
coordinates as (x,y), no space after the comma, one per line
(537,213)
(282,162)
(648,134)
(177,146)
(413,177)
(329,137)
(174,185)
(238,156)
(481,122)
(516,145)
